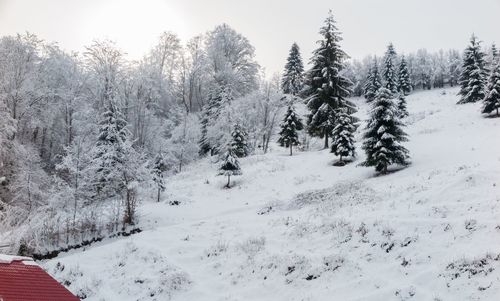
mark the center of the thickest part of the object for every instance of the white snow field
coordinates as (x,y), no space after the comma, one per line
(298,228)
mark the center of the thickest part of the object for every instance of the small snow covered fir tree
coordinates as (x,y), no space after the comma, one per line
(239,141)
(472,78)
(159,167)
(493,59)
(229,166)
(289,127)
(389,71)
(343,136)
(373,82)
(327,89)
(491,102)
(402,111)
(293,76)
(404,82)
(384,135)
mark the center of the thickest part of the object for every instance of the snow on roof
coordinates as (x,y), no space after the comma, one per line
(10,258)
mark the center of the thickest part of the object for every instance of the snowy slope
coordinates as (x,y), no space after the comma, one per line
(297,228)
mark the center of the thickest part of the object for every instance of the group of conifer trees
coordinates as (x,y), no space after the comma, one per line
(325,91)
(478,81)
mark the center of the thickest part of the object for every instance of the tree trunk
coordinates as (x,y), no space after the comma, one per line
(228,181)
(290,149)
(158,197)
(326,139)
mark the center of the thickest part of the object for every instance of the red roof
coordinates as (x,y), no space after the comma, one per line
(21,279)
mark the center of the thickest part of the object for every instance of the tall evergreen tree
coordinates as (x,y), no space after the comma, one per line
(327,88)
(229,166)
(239,141)
(384,135)
(343,136)
(389,71)
(293,77)
(373,82)
(117,167)
(404,82)
(159,167)
(110,151)
(492,98)
(472,78)
(289,127)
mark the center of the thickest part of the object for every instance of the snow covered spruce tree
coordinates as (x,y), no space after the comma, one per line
(343,136)
(402,110)
(159,167)
(327,89)
(472,78)
(373,82)
(404,82)
(229,166)
(293,76)
(492,97)
(492,57)
(239,141)
(384,135)
(389,71)
(289,127)
(118,167)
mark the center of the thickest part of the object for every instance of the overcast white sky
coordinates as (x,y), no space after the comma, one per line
(271,25)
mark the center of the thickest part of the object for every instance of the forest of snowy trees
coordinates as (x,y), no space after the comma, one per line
(85,137)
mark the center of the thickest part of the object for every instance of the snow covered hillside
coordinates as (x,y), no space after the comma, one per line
(298,228)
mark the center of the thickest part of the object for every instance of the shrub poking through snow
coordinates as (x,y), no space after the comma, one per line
(384,135)
(289,127)
(230,166)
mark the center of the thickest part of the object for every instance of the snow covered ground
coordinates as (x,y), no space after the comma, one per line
(298,228)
